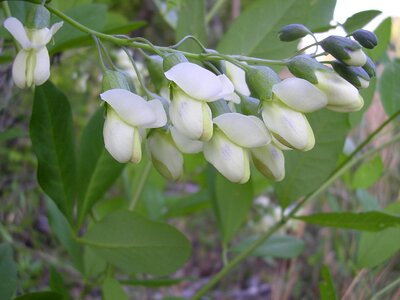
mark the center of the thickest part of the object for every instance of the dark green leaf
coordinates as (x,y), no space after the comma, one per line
(48,295)
(97,170)
(52,136)
(113,290)
(368,173)
(326,287)
(390,88)
(231,203)
(8,272)
(375,248)
(360,19)
(322,14)
(305,171)
(93,263)
(278,246)
(57,284)
(365,221)
(383,32)
(191,21)
(136,244)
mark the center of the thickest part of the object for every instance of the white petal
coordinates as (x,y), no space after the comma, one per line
(17,30)
(233,98)
(229,159)
(159,112)
(118,137)
(42,67)
(269,160)
(190,117)
(55,27)
(289,127)
(165,156)
(246,131)
(227,88)
(19,69)
(195,81)
(357,58)
(238,77)
(300,95)
(130,107)
(40,37)
(185,144)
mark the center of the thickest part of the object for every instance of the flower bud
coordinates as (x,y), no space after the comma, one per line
(260,80)
(357,76)
(345,50)
(369,67)
(300,95)
(293,32)
(155,66)
(184,144)
(269,161)
(238,78)
(289,127)
(165,156)
(114,80)
(366,38)
(38,18)
(342,96)
(230,159)
(173,59)
(304,66)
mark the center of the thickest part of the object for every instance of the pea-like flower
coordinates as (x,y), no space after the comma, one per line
(32,63)
(189,111)
(227,150)
(127,114)
(269,160)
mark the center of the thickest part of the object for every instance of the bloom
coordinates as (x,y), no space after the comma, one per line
(126,115)
(32,63)
(269,160)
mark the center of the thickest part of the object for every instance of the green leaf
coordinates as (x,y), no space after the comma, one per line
(322,13)
(183,206)
(360,19)
(135,244)
(326,287)
(390,88)
(367,94)
(191,21)
(63,231)
(112,290)
(94,264)
(57,284)
(383,32)
(278,246)
(97,170)
(306,171)
(52,136)
(375,248)
(368,173)
(47,295)
(231,204)
(255,31)
(365,221)
(8,272)
(156,282)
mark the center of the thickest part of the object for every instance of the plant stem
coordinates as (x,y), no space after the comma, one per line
(140,186)
(386,289)
(214,10)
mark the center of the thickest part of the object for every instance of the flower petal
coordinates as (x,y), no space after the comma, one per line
(229,159)
(357,58)
(42,67)
(55,27)
(118,137)
(40,37)
(300,95)
(159,112)
(289,127)
(195,81)
(185,144)
(269,160)
(238,78)
(17,30)
(227,88)
(19,69)
(246,131)
(130,107)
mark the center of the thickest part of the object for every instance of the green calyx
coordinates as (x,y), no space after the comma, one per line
(260,80)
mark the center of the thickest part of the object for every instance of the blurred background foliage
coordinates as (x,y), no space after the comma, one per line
(43,256)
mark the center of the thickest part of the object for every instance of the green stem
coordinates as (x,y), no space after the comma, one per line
(386,289)
(214,10)
(140,186)
(189,37)
(99,52)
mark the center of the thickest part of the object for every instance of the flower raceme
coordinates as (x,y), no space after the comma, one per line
(32,63)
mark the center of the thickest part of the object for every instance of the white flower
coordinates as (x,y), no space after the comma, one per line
(32,63)
(238,78)
(269,160)
(126,115)
(289,127)
(357,58)
(342,96)
(227,149)
(184,144)
(300,95)
(166,158)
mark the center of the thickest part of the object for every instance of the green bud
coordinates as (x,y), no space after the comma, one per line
(260,80)
(114,80)
(357,76)
(304,66)
(293,32)
(366,38)
(369,67)
(38,18)
(249,105)
(173,59)
(155,66)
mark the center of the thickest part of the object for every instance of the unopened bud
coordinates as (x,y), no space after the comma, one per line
(293,32)
(370,67)
(38,18)
(155,66)
(173,59)
(114,80)
(345,50)
(357,76)
(269,161)
(366,38)
(260,80)
(304,66)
